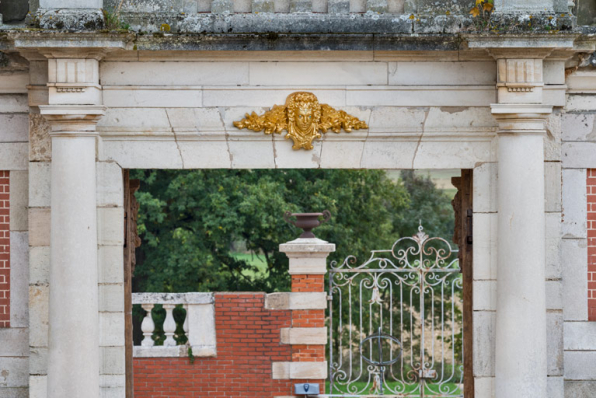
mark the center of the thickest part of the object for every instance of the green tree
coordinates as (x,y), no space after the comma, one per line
(190,220)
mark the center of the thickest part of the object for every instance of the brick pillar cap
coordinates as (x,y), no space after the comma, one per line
(311,245)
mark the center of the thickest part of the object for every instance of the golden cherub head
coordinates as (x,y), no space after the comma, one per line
(304,116)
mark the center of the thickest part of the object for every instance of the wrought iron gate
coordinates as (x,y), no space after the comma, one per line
(395,322)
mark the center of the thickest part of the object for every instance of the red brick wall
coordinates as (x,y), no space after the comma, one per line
(248,341)
(4,250)
(591,185)
(308,319)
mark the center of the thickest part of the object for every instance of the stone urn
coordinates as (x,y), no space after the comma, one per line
(307,221)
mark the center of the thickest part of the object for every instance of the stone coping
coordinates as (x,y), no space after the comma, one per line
(172,352)
(173,298)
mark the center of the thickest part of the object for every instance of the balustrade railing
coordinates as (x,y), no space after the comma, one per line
(198,325)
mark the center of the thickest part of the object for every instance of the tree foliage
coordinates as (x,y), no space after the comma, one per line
(190,220)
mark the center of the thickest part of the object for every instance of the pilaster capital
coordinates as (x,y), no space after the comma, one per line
(521,118)
(72,120)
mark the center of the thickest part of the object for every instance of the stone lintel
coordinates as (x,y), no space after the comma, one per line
(299,370)
(296,301)
(312,336)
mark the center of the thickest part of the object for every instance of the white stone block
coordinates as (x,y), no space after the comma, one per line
(15,128)
(152,97)
(40,184)
(421,96)
(574,254)
(459,118)
(342,154)
(14,372)
(391,119)
(484,387)
(484,344)
(39,265)
(38,361)
(555,387)
(485,188)
(435,154)
(111,360)
(579,155)
(552,186)
(14,156)
(39,227)
(296,301)
(110,226)
(112,392)
(268,96)
(146,120)
(38,386)
(111,329)
(13,103)
(38,315)
(205,154)
(110,262)
(174,73)
(15,342)
(580,336)
(580,365)
(19,279)
(580,102)
(552,138)
(143,154)
(385,154)
(317,73)
(304,336)
(288,158)
(553,245)
(579,126)
(553,72)
(308,266)
(554,343)
(166,352)
(252,154)
(111,298)
(485,246)
(299,370)
(201,325)
(19,198)
(110,189)
(574,206)
(112,381)
(554,295)
(442,73)
(581,389)
(485,295)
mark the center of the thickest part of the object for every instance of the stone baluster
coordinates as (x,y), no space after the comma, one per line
(147,326)
(169,325)
(185,325)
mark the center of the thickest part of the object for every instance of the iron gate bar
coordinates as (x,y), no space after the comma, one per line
(421,269)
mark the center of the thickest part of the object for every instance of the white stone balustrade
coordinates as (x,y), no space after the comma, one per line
(198,326)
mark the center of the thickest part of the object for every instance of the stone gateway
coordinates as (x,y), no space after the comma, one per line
(504,91)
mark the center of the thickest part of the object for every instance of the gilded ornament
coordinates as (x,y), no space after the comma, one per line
(303,118)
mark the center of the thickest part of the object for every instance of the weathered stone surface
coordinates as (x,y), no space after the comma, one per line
(304,336)
(484,343)
(69,19)
(14,372)
(580,389)
(19,187)
(580,365)
(574,209)
(15,342)
(263,6)
(13,10)
(109,184)
(14,128)
(40,144)
(110,226)
(111,360)
(575,284)
(554,343)
(13,156)
(579,127)
(19,279)
(39,265)
(338,6)
(111,298)
(111,328)
(39,227)
(299,370)
(580,336)
(40,181)
(38,315)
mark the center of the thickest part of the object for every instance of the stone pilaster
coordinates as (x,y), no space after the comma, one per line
(73,362)
(308,334)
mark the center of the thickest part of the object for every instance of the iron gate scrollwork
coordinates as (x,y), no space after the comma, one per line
(395,322)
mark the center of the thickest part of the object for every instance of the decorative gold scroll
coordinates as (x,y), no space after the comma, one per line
(303,117)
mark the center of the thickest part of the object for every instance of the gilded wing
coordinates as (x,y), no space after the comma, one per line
(336,120)
(273,121)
